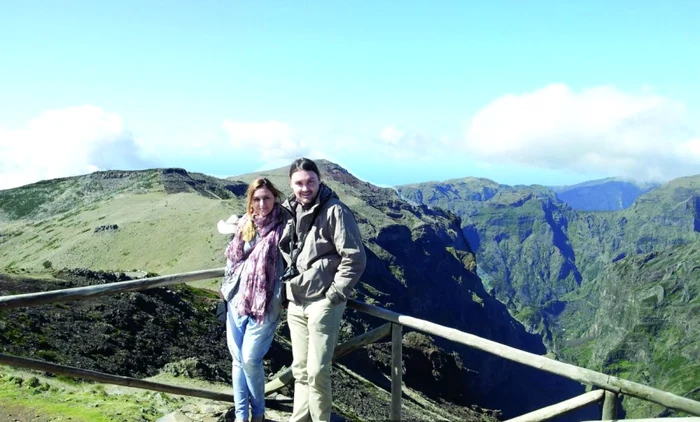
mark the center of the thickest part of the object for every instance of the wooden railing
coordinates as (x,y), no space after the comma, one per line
(610,387)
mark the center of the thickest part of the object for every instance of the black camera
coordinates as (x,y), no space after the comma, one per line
(290,273)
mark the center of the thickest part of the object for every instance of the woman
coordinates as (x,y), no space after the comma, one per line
(252,288)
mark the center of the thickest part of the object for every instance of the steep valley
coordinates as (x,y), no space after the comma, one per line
(582,280)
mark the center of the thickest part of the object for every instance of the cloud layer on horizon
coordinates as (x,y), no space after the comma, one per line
(642,136)
(599,130)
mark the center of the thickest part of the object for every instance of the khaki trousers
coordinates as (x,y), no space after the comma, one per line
(313,328)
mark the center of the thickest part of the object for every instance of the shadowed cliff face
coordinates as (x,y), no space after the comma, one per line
(535,249)
(420,264)
(521,238)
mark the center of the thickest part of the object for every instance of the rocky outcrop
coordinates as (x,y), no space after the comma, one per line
(177,180)
(106,227)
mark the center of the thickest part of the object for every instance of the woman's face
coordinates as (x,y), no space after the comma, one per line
(263,201)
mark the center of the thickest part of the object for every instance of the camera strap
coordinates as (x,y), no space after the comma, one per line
(297,250)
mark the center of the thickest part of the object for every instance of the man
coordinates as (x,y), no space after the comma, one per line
(323,250)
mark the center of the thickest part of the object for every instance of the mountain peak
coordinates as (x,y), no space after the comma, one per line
(332,171)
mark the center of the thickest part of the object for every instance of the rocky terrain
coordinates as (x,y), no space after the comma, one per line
(174,331)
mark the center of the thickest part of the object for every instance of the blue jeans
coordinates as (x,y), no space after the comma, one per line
(248,342)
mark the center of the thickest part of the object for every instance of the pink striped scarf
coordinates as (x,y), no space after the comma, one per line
(258,283)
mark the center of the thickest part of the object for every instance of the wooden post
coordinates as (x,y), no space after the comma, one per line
(610,406)
(396,372)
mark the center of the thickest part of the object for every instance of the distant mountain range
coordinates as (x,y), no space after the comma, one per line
(545,260)
(609,194)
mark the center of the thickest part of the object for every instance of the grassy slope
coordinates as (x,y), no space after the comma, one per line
(33,395)
(659,219)
(157,232)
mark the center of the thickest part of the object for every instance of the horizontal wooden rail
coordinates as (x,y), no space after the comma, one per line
(566,370)
(362,340)
(372,336)
(86,292)
(587,376)
(70,371)
(562,408)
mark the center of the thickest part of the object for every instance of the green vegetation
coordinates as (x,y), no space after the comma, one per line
(640,322)
(79,401)
(612,291)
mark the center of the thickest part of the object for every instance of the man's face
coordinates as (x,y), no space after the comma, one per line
(305,185)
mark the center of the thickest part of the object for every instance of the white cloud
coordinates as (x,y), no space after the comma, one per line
(399,144)
(275,143)
(67,142)
(273,140)
(391,135)
(641,136)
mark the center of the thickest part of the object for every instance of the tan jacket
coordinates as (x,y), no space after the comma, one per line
(332,257)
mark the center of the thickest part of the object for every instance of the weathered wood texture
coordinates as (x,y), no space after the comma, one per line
(110,379)
(396,371)
(566,370)
(562,408)
(284,378)
(78,293)
(362,340)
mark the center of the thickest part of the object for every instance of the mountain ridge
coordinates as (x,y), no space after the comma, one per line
(542,258)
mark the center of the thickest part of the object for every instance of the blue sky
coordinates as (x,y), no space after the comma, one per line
(548,92)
